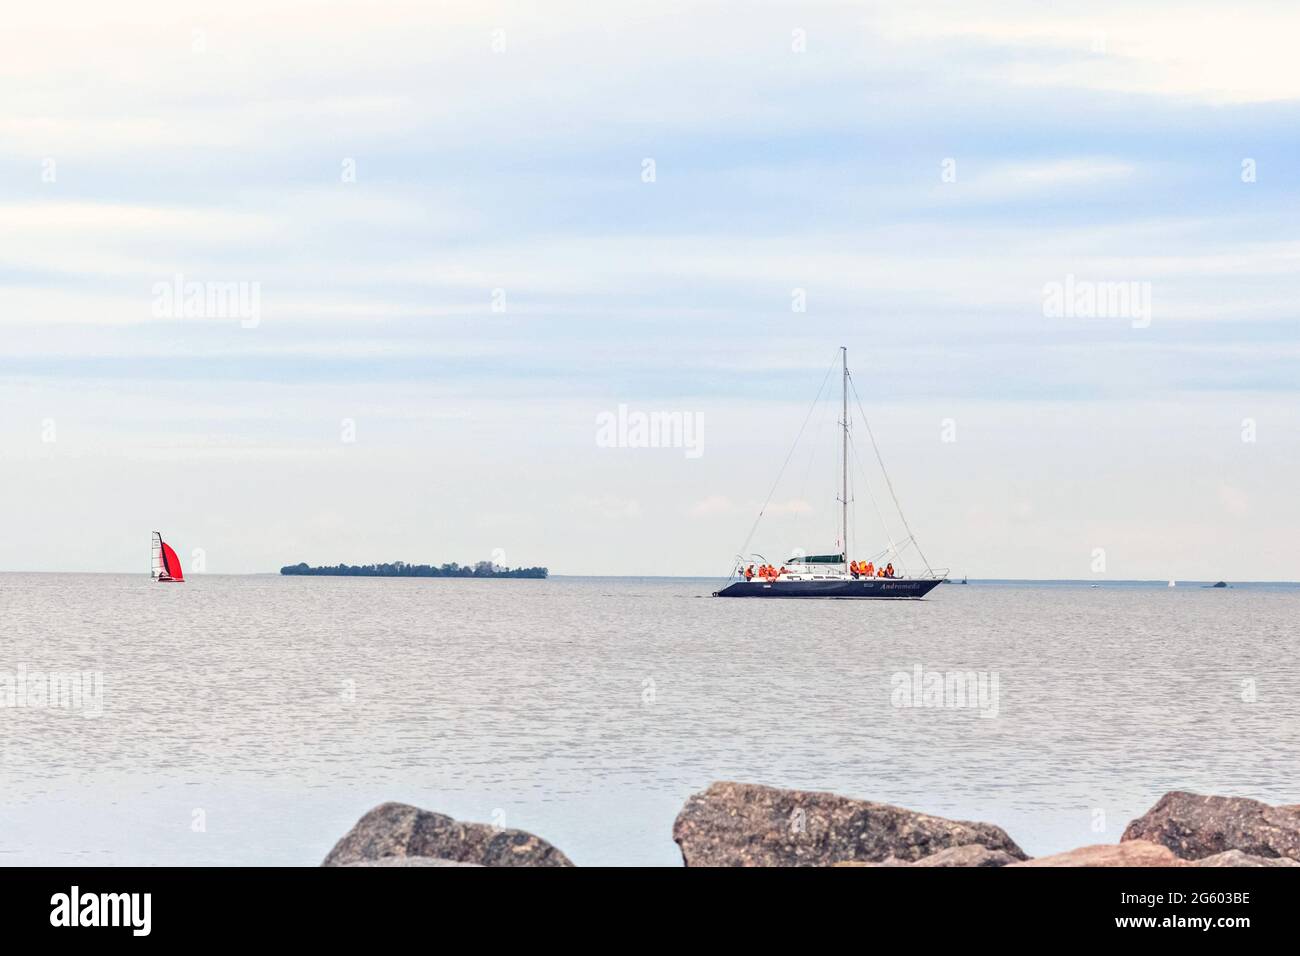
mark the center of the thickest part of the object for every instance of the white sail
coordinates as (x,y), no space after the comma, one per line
(157,569)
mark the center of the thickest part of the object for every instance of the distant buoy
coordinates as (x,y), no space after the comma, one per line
(1173,584)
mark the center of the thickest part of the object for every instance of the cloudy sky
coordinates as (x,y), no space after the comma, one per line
(466,231)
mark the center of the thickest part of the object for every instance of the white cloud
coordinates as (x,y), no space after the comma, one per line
(607,506)
(1235,501)
(713,505)
(791,506)
(1019,180)
(1239,54)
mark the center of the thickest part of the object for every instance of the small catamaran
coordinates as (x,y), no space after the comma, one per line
(836,575)
(164,565)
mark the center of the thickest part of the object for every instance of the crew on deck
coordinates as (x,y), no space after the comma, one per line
(868,569)
(858,569)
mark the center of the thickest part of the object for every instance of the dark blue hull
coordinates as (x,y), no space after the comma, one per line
(880,588)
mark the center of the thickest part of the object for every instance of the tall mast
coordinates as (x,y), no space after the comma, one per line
(844,457)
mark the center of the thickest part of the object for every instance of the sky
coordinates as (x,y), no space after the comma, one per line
(354,282)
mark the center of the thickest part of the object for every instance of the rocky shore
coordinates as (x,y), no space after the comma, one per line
(746,824)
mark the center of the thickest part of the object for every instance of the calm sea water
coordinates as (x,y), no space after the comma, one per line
(254,719)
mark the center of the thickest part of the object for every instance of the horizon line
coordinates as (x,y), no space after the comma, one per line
(1161,582)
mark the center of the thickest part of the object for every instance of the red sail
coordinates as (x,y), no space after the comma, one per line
(172,563)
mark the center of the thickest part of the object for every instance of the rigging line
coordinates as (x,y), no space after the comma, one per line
(871,494)
(772,491)
(902,547)
(902,517)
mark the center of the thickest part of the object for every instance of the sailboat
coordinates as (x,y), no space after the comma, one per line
(164,565)
(831,575)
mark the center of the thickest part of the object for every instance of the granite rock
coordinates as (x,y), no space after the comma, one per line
(745,824)
(393,830)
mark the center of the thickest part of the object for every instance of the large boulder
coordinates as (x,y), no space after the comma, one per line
(1195,827)
(745,824)
(1133,853)
(400,830)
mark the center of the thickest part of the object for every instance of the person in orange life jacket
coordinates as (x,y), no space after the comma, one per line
(749,573)
(889,571)
(869,570)
(853,569)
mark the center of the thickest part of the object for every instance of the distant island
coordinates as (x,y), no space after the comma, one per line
(400,569)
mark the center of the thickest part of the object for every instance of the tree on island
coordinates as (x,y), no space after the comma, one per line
(400,569)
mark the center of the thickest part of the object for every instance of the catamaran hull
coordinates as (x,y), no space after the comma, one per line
(878,588)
